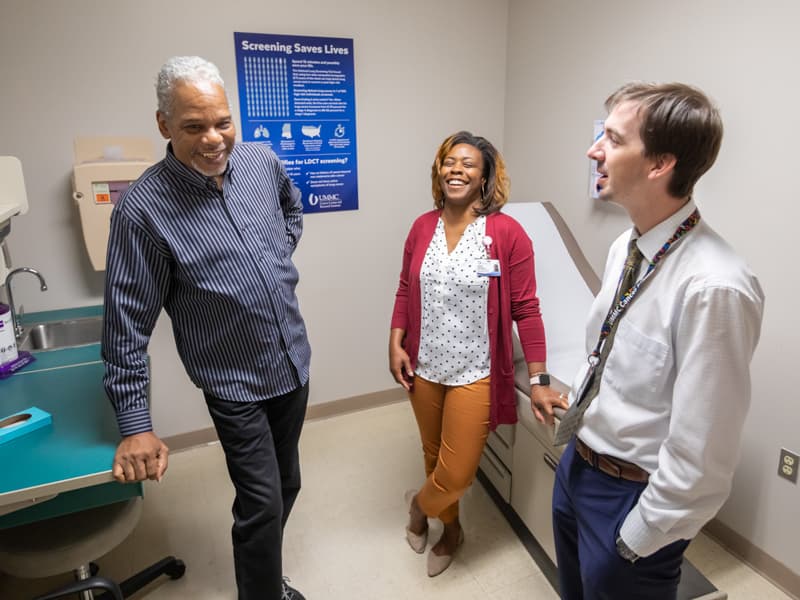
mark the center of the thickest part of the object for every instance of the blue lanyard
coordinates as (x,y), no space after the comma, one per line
(616,311)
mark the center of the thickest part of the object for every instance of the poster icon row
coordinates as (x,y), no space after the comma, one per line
(310,131)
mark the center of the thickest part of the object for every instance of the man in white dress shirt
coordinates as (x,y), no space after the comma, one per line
(654,455)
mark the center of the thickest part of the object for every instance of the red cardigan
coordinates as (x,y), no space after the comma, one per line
(512,296)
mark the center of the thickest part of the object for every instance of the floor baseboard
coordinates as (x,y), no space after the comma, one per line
(743,549)
(322,410)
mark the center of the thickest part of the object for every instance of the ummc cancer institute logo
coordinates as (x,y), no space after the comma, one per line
(323,199)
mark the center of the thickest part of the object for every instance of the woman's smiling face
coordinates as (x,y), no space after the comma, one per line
(461,175)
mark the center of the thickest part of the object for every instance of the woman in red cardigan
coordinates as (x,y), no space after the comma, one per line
(468,273)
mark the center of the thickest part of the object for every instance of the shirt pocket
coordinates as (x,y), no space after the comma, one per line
(638,366)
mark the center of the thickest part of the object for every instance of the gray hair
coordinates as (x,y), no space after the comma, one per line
(190,69)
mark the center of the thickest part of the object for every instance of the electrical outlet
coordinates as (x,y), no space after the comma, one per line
(788,465)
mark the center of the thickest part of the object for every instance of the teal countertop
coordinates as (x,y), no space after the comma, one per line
(75,451)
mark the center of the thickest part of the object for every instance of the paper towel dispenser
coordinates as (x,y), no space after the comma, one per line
(104,168)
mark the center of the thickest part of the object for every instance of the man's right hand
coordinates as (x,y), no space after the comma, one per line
(139,457)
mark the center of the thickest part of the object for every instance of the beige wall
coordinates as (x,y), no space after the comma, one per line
(565,58)
(422,70)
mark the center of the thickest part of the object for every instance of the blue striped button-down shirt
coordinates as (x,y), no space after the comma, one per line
(219,262)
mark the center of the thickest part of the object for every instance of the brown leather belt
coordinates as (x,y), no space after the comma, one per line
(610,465)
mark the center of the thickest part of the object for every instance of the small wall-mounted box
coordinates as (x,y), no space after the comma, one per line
(104,168)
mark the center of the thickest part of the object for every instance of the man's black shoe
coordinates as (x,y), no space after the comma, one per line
(289,593)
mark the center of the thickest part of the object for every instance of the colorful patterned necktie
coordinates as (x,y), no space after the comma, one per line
(572,418)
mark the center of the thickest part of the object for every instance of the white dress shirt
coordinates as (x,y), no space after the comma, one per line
(676,385)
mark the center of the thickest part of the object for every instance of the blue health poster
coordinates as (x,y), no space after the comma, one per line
(297,95)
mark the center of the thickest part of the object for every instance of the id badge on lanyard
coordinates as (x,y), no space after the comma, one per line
(587,379)
(488,267)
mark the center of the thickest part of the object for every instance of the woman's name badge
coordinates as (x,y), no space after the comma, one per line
(489,267)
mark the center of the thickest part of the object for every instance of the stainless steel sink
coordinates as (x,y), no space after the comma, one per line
(61,334)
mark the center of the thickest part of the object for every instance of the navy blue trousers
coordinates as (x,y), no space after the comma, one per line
(260,443)
(589,508)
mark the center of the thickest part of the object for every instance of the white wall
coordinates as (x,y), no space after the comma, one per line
(564,60)
(86,67)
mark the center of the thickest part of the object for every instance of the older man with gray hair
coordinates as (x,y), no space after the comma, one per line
(208,234)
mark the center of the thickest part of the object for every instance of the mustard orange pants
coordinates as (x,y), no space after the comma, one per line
(453,425)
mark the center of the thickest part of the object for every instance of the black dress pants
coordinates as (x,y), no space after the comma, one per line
(260,443)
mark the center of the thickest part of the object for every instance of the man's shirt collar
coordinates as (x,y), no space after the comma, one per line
(651,242)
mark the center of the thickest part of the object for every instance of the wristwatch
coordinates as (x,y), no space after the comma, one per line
(540,379)
(625,552)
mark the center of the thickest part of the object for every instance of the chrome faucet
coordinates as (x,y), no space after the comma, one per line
(18,329)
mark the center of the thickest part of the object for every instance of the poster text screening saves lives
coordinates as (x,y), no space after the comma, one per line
(297,95)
